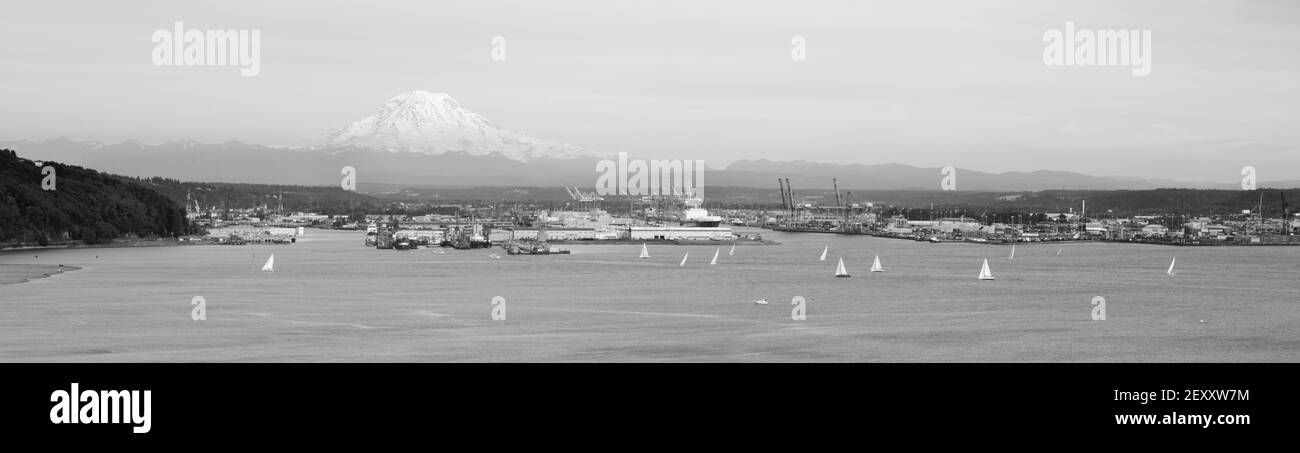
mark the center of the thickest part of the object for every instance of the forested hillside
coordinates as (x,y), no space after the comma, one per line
(85,205)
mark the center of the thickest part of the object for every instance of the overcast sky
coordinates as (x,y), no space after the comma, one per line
(924,83)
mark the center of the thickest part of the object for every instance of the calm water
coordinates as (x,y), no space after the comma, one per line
(331,299)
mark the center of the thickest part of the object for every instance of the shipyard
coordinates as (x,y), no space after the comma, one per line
(589,218)
(965,224)
(533,231)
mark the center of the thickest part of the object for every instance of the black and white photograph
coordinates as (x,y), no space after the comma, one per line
(349,185)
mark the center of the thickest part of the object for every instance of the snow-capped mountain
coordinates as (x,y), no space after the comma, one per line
(434,123)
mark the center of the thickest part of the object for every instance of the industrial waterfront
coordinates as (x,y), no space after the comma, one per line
(332,300)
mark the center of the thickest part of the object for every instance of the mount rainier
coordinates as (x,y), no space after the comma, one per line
(434,123)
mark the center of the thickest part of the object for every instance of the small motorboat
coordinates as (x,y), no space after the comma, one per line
(762,301)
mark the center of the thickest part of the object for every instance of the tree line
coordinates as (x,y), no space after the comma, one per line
(84,205)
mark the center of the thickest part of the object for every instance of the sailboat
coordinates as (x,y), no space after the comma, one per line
(823,258)
(733,250)
(684,259)
(1171,266)
(270,264)
(1013,253)
(645,253)
(1058,251)
(841,271)
(715,257)
(985,273)
(875,265)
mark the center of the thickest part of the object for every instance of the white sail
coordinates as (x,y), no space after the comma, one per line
(684,259)
(1013,252)
(645,253)
(733,250)
(1171,266)
(270,263)
(841,271)
(985,273)
(1058,251)
(715,257)
(823,258)
(875,265)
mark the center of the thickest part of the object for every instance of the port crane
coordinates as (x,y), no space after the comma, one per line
(1286,216)
(192,205)
(586,201)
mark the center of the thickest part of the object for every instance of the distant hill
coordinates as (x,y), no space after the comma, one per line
(235,162)
(763,173)
(294,198)
(86,205)
(1100,203)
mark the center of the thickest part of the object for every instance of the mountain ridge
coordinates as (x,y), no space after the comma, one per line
(239,162)
(428,138)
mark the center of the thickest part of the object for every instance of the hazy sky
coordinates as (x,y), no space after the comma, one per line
(916,82)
